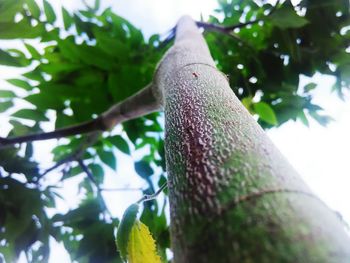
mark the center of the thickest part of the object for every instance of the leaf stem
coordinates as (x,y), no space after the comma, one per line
(152,196)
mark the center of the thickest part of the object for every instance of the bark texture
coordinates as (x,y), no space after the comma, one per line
(233,197)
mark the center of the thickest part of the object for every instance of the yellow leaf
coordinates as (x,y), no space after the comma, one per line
(141,245)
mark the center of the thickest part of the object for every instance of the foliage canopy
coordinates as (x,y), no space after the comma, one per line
(79,64)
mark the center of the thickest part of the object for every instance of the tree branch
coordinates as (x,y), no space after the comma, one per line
(228,29)
(168,39)
(85,127)
(88,173)
(135,106)
(152,196)
(120,189)
(100,189)
(216,27)
(90,140)
(92,179)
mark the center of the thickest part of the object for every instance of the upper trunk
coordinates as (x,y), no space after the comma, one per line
(233,197)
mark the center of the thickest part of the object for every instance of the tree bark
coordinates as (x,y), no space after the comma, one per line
(233,197)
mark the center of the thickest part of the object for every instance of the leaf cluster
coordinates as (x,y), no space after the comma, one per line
(76,65)
(265,59)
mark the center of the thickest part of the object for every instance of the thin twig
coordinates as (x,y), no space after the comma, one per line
(219,28)
(152,196)
(100,189)
(92,179)
(121,189)
(170,36)
(88,173)
(214,27)
(87,5)
(90,140)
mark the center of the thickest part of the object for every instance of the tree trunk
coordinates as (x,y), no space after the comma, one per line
(233,197)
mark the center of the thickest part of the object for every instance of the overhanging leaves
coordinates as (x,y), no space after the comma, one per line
(286,17)
(265,112)
(49,12)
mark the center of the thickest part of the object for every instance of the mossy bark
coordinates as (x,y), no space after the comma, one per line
(233,197)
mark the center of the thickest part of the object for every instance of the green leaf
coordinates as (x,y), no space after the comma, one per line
(44,101)
(33,8)
(8,60)
(63,120)
(286,17)
(56,68)
(95,57)
(124,229)
(49,12)
(120,143)
(97,172)
(265,112)
(29,114)
(8,9)
(20,83)
(309,87)
(73,172)
(303,118)
(29,150)
(313,107)
(82,26)
(141,245)
(4,106)
(35,74)
(67,19)
(108,158)
(97,5)
(323,120)
(143,168)
(23,29)
(7,94)
(18,128)
(247,103)
(35,54)
(20,56)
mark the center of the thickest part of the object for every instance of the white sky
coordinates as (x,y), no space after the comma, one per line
(321,155)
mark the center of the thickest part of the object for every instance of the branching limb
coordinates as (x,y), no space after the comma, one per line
(139,104)
(85,127)
(135,106)
(152,196)
(77,154)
